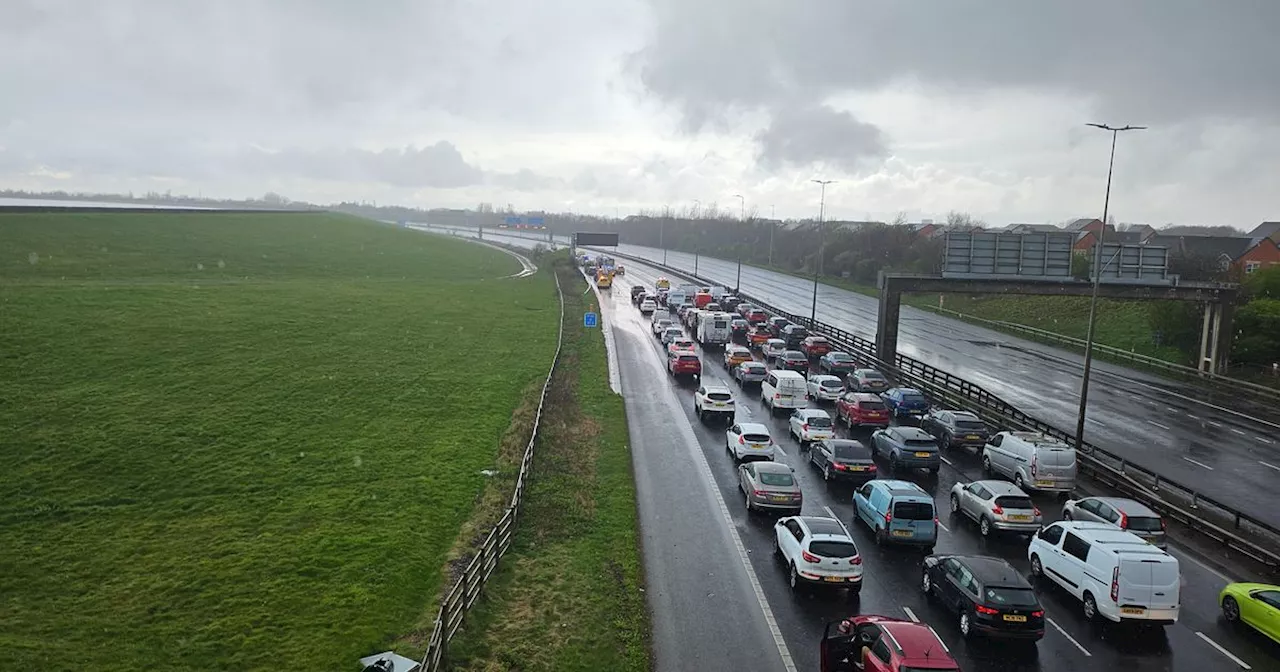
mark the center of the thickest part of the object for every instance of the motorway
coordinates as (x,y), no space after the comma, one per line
(713,606)
(1139,417)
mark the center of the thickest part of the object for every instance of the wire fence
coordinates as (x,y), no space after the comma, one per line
(1200,513)
(467,589)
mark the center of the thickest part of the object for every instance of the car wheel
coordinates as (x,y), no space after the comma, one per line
(893,463)
(826,473)
(926,584)
(965,628)
(955,504)
(777,548)
(1037,570)
(1090,607)
(794,578)
(1017,480)
(881,536)
(984,527)
(1230,609)
(986,464)
(747,498)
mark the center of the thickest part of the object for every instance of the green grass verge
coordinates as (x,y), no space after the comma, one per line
(233,441)
(567,595)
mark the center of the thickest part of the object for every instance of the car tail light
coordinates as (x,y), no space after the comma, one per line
(805,426)
(857,560)
(1115,583)
(839,467)
(986,610)
(1163,525)
(758,493)
(888,517)
(1036,511)
(777,395)
(742,440)
(810,558)
(1037,613)
(997,510)
(1033,466)
(871,468)
(1124,521)
(935,521)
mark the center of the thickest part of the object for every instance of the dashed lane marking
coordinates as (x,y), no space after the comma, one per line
(1153,422)
(1268,465)
(944,459)
(1069,637)
(944,527)
(1263,439)
(1215,423)
(911,614)
(1243,665)
(1198,464)
(1238,431)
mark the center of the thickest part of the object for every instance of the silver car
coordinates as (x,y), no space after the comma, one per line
(823,387)
(750,373)
(997,506)
(773,347)
(770,486)
(1125,514)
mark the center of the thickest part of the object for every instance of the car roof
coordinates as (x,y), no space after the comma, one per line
(838,353)
(794,353)
(909,432)
(863,372)
(753,427)
(964,415)
(908,390)
(753,364)
(812,411)
(864,396)
(737,348)
(767,466)
(717,387)
(824,526)
(992,571)
(1000,487)
(918,643)
(1111,537)
(1128,506)
(775,341)
(823,376)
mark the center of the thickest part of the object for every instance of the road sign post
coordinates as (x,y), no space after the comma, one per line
(590,320)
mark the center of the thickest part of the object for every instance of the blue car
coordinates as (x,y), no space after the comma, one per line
(905,402)
(897,512)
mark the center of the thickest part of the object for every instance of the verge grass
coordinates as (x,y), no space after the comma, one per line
(568,594)
(235,441)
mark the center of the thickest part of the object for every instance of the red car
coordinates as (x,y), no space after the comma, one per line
(701,299)
(757,316)
(815,346)
(862,409)
(756,339)
(883,644)
(681,363)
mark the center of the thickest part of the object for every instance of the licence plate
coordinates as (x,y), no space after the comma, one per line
(902,533)
(971,437)
(1015,618)
(1044,483)
(922,454)
(857,468)
(1017,517)
(758,446)
(1136,611)
(834,579)
(719,404)
(779,498)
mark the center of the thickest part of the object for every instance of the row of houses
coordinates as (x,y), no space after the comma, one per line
(1245,252)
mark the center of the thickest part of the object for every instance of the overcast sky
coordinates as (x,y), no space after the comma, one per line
(591,106)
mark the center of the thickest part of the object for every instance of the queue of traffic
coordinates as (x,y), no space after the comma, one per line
(1106,553)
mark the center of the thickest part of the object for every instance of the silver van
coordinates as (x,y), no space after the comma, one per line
(1034,461)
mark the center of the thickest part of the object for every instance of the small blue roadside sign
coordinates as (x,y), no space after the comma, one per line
(589,320)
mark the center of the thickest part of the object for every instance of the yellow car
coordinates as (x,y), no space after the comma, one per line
(1255,604)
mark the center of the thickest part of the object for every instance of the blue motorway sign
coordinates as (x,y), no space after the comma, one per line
(589,320)
(534,221)
(513,220)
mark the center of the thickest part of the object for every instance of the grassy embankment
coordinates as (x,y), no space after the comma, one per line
(245,441)
(568,594)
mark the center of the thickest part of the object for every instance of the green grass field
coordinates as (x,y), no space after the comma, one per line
(244,441)
(567,596)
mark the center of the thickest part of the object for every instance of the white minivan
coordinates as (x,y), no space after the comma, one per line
(1032,460)
(1115,574)
(784,389)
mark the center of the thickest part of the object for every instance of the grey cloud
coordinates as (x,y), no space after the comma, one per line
(1145,60)
(524,180)
(804,136)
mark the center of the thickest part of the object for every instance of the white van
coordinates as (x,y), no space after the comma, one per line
(1115,574)
(784,389)
(713,328)
(1034,461)
(661,314)
(676,297)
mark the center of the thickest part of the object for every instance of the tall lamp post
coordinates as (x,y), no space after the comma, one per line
(822,244)
(1097,280)
(662,231)
(696,204)
(773,224)
(742,215)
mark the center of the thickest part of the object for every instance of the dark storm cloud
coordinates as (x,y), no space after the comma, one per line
(1153,60)
(817,134)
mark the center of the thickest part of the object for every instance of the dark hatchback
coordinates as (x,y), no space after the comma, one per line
(989,596)
(843,459)
(794,335)
(793,360)
(777,324)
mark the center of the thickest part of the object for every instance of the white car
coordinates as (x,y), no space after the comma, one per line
(714,400)
(825,388)
(773,347)
(671,334)
(810,424)
(648,306)
(818,550)
(749,440)
(659,326)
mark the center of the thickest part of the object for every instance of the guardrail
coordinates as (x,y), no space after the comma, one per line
(1269,396)
(464,592)
(1199,512)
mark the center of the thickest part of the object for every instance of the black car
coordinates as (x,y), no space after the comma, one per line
(730,302)
(793,360)
(837,363)
(776,325)
(955,429)
(843,459)
(637,291)
(739,327)
(794,335)
(988,595)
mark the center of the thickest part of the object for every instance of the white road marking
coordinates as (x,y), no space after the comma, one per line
(1238,431)
(944,644)
(1193,416)
(1099,423)
(1266,464)
(1243,665)
(1215,423)
(837,519)
(911,614)
(1069,637)
(1263,439)
(1153,422)
(1198,464)
(944,459)
(1191,558)
(1171,409)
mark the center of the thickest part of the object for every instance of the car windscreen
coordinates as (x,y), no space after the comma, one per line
(755,438)
(753,368)
(818,421)
(913,511)
(850,451)
(1015,502)
(971,425)
(1010,597)
(1144,524)
(831,384)
(721,324)
(871,405)
(719,396)
(914,399)
(920,443)
(841,357)
(771,478)
(688,358)
(872,375)
(833,549)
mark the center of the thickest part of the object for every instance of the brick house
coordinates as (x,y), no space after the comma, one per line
(1263,252)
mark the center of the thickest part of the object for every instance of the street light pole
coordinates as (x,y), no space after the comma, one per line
(662,231)
(773,224)
(742,214)
(822,244)
(696,204)
(1097,281)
